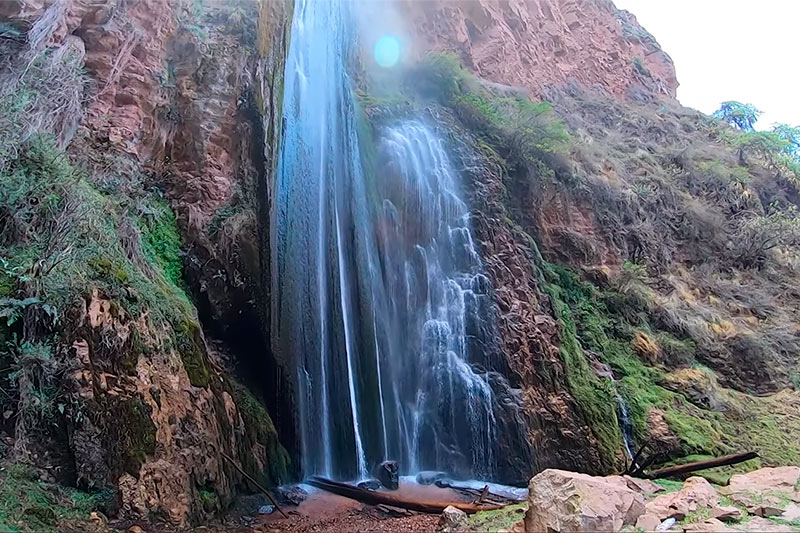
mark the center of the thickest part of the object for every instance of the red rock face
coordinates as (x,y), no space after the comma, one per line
(537,43)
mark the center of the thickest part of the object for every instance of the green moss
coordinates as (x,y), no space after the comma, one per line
(500,519)
(161,238)
(700,515)
(609,334)
(669,485)
(190,346)
(259,430)
(595,397)
(138,435)
(30,505)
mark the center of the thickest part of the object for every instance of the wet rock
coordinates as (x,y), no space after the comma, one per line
(370,484)
(266,509)
(568,501)
(292,495)
(696,493)
(427,477)
(386,472)
(452,519)
(443,483)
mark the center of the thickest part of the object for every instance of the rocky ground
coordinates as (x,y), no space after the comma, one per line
(763,500)
(767,499)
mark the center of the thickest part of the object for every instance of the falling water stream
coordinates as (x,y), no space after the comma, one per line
(380,303)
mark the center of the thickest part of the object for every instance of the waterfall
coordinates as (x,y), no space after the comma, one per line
(379,301)
(323,250)
(626,427)
(440,303)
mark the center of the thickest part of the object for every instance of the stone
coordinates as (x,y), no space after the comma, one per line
(696,493)
(792,512)
(443,483)
(428,477)
(266,509)
(758,524)
(648,522)
(645,486)
(764,492)
(712,525)
(386,472)
(569,501)
(370,484)
(293,494)
(780,479)
(727,513)
(766,510)
(452,519)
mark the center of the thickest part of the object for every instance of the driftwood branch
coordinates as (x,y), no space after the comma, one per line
(382,498)
(256,483)
(702,465)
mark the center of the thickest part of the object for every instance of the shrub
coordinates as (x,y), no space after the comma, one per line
(739,115)
(755,236)
(528,134)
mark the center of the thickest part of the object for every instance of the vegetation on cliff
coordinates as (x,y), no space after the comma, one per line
(679,282)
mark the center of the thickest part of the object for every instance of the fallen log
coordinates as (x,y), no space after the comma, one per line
(726,460)
(382,498)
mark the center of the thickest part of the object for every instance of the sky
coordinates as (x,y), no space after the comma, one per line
(743,50)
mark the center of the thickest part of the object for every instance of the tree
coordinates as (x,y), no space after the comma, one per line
(791,135)
(739,115)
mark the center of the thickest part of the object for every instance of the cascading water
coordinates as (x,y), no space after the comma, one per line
(323,250)
(625,424)
(381,307)
(440,303)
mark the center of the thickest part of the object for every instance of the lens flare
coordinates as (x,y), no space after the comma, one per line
(387,51)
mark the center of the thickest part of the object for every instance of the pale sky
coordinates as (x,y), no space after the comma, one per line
(744,50)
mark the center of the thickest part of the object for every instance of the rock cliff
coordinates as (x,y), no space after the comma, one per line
(618,229)
(537,43)
(171,122)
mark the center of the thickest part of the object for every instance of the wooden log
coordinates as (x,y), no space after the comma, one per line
(726,460)
(383,498)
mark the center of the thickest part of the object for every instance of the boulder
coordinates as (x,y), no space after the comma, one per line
(712,525)
(780,479)
(726,513)
(696,493)
(386,472)
(370,484)
(645,486)
(764,492)
(427,477)
(292,494)
(452,519)
(568,501)
(766,510)
(792,512)
(762,525)
(647,522)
